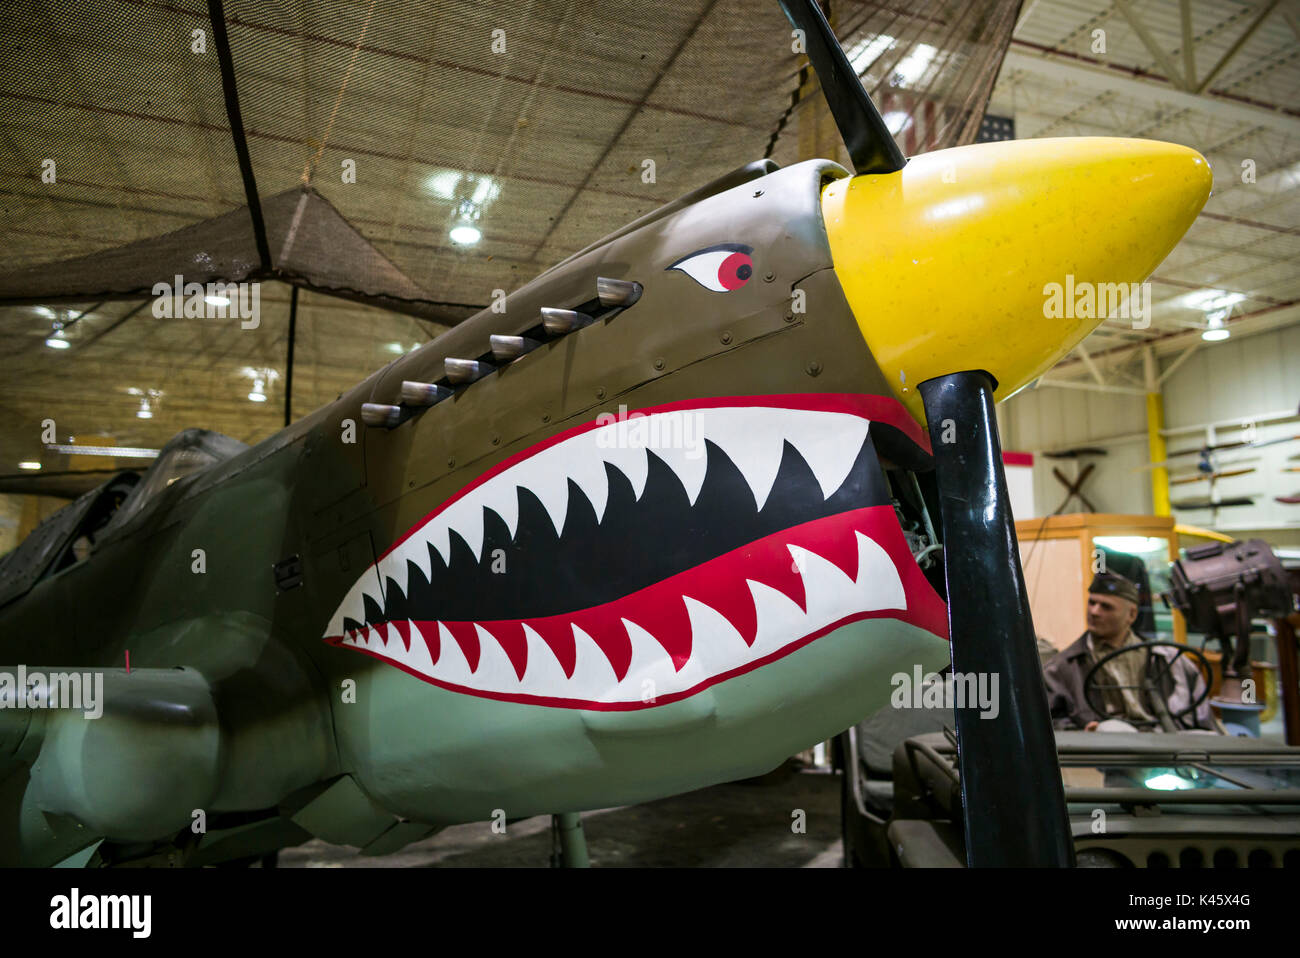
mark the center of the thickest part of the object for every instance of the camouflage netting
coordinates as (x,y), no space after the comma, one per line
(531,122)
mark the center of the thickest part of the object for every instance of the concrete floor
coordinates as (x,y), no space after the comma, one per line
(735,825)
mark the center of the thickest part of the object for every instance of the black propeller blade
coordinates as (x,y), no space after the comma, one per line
(871,146)
(1013,800)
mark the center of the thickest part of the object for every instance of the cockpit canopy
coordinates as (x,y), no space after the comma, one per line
(72,533)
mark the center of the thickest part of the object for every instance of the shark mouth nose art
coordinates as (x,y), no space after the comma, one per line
(634,561)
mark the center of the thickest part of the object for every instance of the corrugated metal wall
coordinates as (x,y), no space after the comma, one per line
(1238,379)
(1049,418)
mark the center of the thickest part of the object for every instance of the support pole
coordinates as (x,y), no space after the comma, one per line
(1013,800)
(288,362)
(568,841)
(1288,676)
(228,88)
(1155,440)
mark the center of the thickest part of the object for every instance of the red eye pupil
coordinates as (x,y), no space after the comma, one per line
(735,271)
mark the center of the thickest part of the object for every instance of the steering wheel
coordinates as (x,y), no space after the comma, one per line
(1091,686)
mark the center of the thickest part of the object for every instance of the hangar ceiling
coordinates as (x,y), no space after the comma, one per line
(1221,77)
(530,122)
(542,150)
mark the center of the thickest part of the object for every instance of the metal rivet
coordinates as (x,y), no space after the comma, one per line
(659,364)
(726,337)
(789,316)
(813,368)
(757,194)
(546,417)
(769,276)
(451,462)
(600,393)
(496,440)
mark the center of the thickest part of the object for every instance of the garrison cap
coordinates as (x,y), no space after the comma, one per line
(1108,583)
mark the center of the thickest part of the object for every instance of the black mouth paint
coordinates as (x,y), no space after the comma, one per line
(637,541)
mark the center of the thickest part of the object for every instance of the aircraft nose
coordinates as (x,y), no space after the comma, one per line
(1003,256)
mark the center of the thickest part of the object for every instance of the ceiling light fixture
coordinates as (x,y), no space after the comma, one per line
(465,235)
(1215,330)
(29,464)
(117,452)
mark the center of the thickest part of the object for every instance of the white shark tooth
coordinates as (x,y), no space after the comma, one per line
(588,472)
(436,533)
(416,549)
(593,677)
(495,671)
(451,665)
(830,445)
(780,620)
(393,566)
(829,594)
(688,465)
(716,645)
(629,460)
(371,586)
(543,674)
(417,656)
(501,495)
(879,585)
(465,517)
(650,674)
(542,477)
(755,450)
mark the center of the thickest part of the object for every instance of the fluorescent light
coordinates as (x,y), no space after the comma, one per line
(897,121)
(1133,545)
(29,464)
(465,235)
(395,348)
(216,300)
(916,63)
(57,342)
(442,183)
(864,53)
(1215,330)
(485,191)
(1211,299)
(117,452)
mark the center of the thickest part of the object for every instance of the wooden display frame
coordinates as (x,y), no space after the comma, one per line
(1057,556)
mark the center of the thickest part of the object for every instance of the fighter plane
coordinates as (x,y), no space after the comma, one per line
(678,512)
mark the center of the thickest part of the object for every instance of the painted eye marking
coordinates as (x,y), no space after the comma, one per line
(720,268)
